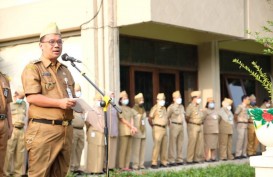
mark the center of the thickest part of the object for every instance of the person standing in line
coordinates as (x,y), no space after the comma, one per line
(266,105)
(195,118)
(95,124)
(49,89)
(139,139)
(226,130)
(241,118)
(112,120)
(253,141)
(6,127)
(176,116)
(211,131)
(158,117)
(14,160)
(78,136)
(126,131)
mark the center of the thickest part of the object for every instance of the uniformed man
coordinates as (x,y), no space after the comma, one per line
(126,130)
(241,118)
(266,105)
(195,118)
(226,130)
(112,120)
(15,157)
(211,130)
(158,115)
(49,89)
(95,137)
(176,116)
(5,118)
(139,139)
(253,141)
(78,136)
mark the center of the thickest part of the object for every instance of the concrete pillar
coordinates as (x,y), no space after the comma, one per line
(209,72)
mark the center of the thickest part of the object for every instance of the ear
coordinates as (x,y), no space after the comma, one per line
(40,45)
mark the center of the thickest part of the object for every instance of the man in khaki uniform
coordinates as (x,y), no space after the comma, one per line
(158,115)
(95,138)
(78,136)
(176,116)
(266,105)
(241,118)
(126,131)
(195,117)
(49,88)
(253,142)
(139,139)
(226,130)
(16,145)
(5,118)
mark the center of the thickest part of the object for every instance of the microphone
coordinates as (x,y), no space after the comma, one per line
(65,57)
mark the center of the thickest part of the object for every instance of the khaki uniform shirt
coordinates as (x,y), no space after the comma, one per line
(78,120)
(126,114)
(226,121)
(211,122)
(5,94)
(242,117)
(112,120)
(176,113)
(194,114)
(18,114)
(96,119)
(159,115)
(42,77)
(139,121)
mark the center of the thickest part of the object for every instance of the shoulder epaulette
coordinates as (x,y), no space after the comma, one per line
(36,61)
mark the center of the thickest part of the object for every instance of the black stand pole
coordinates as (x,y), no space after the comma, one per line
(104,104)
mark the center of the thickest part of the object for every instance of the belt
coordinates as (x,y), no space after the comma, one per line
(53,122)
(194,123)
(242,122)
(162,126)
(3,116)
(177,123)
(79,128)
(18,127)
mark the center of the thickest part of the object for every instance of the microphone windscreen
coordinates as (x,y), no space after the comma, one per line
(64,57)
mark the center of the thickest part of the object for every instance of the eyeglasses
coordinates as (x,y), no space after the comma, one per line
(53,42)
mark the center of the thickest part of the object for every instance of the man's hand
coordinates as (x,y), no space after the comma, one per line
(67,103)
(133,130)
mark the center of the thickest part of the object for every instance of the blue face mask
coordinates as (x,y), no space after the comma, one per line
(19,101)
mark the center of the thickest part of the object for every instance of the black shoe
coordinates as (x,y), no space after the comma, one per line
(213,160)
(180,163)
(195,162)
(244,156)
(208,161)
(189,163)
(78,172)
(172,164)
(237,157)
(154,166)
(163,166)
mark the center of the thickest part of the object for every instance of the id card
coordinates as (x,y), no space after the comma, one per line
(143,122)
(93,134)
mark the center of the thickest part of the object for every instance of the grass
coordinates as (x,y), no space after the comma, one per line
(224,170)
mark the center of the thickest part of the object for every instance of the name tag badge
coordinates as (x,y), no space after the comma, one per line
(143,122)
(46,74)
(6,92)
(214,116)
(69,92)
(93,134)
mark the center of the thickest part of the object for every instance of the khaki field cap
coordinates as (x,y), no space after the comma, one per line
(195,93)
(227,101)
(210,99)
(176,94)
(77,87)
(160,96)
(51,28)
(139,97)
(123,94)
(252,97)
(98,96)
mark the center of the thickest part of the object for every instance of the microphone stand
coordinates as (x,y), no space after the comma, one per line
(104,104)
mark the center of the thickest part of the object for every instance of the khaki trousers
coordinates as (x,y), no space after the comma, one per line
(15,153)
(241,142)
(49,149)
(77,147)
(253,142)
(160,145)
(225,146)
(176,143)
(3,144)
(125,149)
(112,152)
(195,143)
(138,152)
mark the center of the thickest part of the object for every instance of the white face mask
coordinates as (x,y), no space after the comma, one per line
(229,108)
(178,100)
(78,94)
(125,102)
(98,103)
(267,105)
(198,101)
(161,102)
(211,105)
